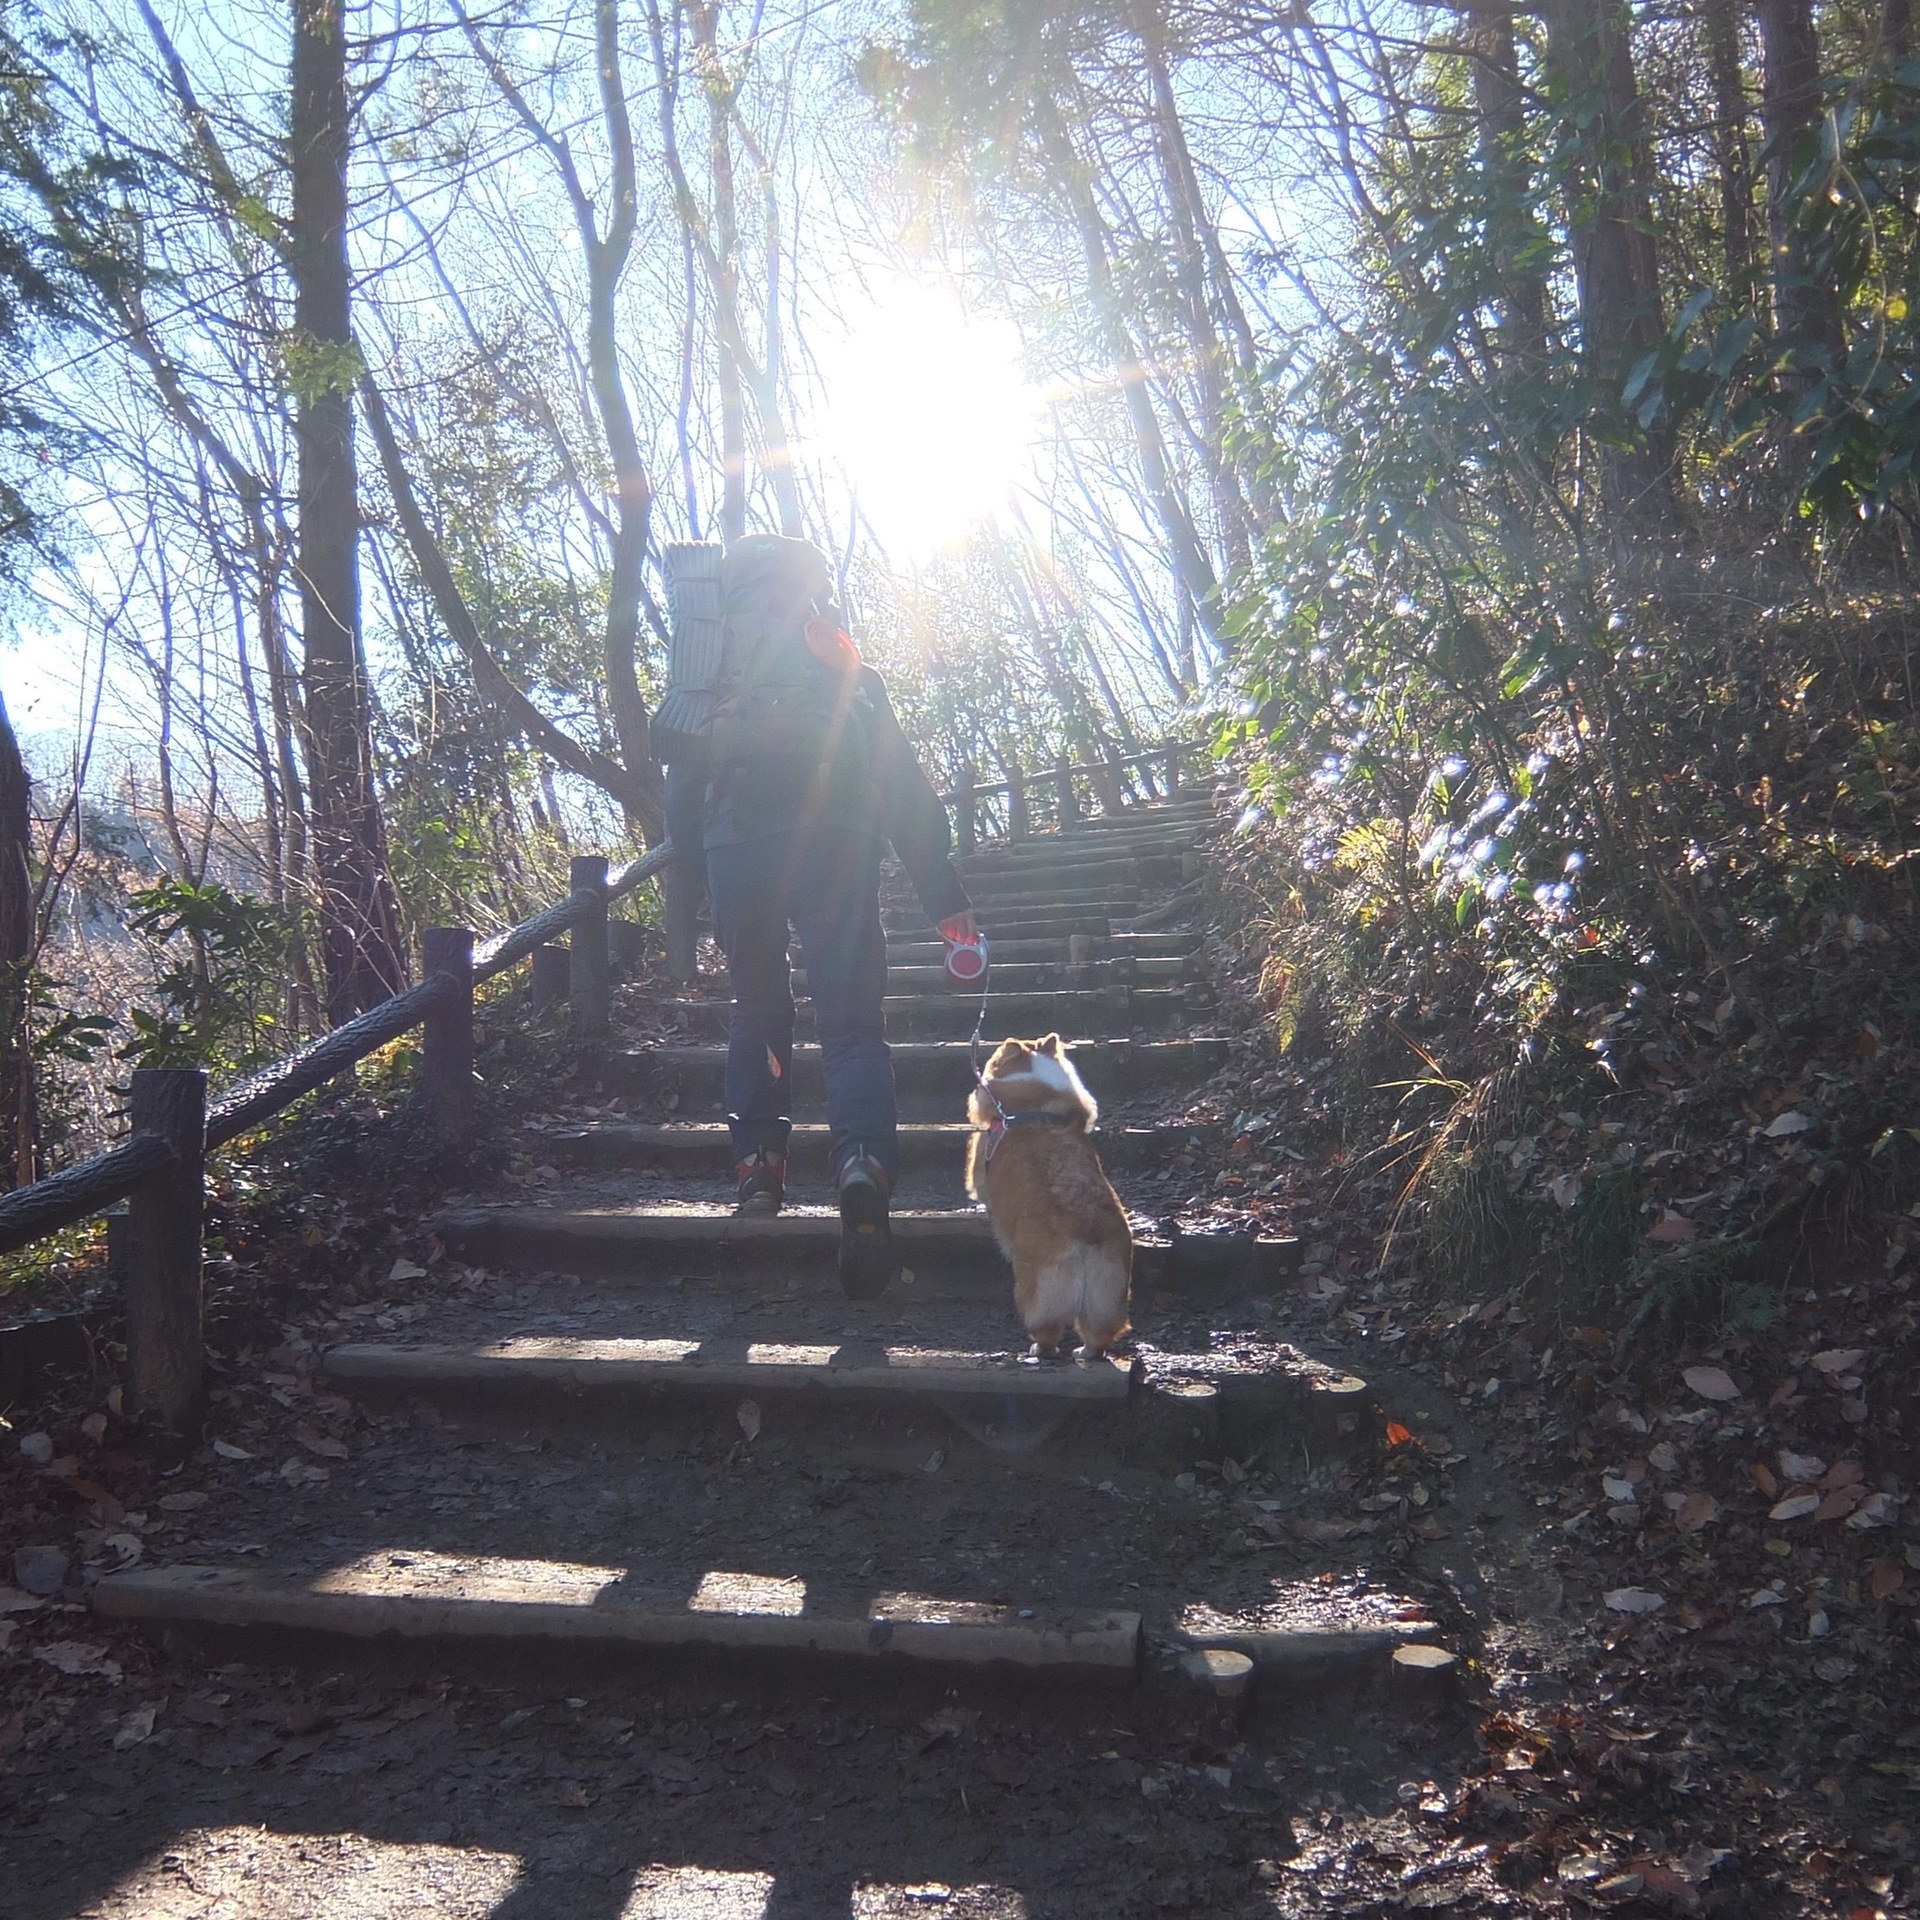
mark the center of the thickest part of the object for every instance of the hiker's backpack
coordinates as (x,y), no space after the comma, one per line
(776,727)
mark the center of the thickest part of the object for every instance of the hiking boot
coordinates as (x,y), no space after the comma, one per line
(763,1185)
(867,1259)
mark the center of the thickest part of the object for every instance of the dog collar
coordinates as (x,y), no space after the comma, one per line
(996,1131)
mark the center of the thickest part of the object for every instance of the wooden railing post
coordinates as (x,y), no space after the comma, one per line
(1111,779)
(550,969)
(1173,770)
(590,977)
(446,1059)
(1066,805)
(1019,827)
(164,1212)
(964,835)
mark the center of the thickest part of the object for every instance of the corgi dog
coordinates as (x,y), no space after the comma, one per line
(1059,1221)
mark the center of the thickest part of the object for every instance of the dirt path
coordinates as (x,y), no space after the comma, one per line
(1593,1761)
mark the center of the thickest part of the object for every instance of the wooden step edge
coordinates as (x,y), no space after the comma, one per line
(1308,1652)
(1094,1051)
(920,1226)
(767,1368)
(420,1595)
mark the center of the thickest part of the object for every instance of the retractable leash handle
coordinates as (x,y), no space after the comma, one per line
(967,960)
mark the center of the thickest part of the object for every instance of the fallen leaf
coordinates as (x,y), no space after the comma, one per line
(1764,1480)
(1397,1435)
(1615,1488)
(72,1656)
(1843,1473)
(1673,1229)
(296,1473)
(180,1502)
(572,1794)
(37,1447)
(1768,1597)
(18,1600)
(1634,1600)
(1888,1577)
(748,1415)
(1711,1383)
(1876,1510)
(1784,1124)
(1696,1510)
(1796,1506)
(1839,1360)
(320,1443)
(406,1270)
(134,1727)
(1325,1532)
(94,1426)
(1839,1503)
(935,1461)
(228,1451)
(1805,1468)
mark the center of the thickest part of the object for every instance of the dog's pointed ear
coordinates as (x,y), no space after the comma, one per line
(1051,1044)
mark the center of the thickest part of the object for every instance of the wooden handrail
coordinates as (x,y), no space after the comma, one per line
(159,1170)
(1041,776)
(155,1168)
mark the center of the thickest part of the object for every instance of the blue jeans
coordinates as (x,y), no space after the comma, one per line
(827,887)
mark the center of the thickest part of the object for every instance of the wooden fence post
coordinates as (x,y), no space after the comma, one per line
(1173,770)
(1067,806)
(1019,827)
(446,1061)
(164,1212)
(590,977)
(1111,779)
(550,969)
(963,805)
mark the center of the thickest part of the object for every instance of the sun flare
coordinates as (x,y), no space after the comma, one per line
(926,409)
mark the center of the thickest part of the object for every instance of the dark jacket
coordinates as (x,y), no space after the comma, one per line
(900,802)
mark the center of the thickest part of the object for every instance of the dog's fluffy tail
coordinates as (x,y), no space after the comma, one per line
(1084,1288)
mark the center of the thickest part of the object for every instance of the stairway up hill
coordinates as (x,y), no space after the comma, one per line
(723,1454)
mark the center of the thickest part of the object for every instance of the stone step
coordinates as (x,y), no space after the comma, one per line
(1102,896)
(413,1594)
(1031,976)
(951,1015)
(933,1077)
(911,928)
(925,1148)
(1029,879)
(950,1252)
(1047,850)
(1098,913)
(760,1369)
(1119,946)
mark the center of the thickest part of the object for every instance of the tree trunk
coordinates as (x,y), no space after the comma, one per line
(1190,563)
(1500,108)
(359,917)
(724,269)
(1212,365)
(1732,151)
(1805,308)
(1896,32)
(1616,267)
(19,1111)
